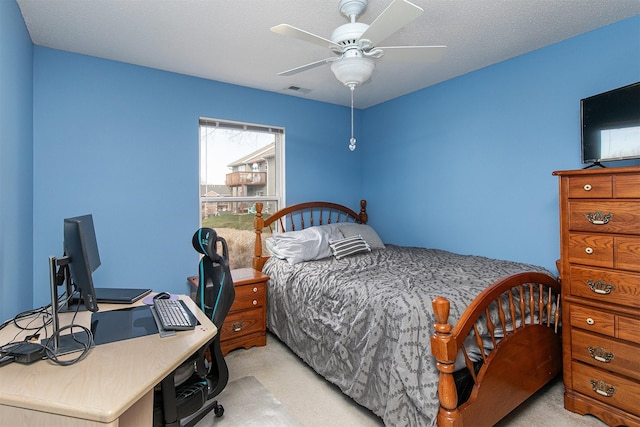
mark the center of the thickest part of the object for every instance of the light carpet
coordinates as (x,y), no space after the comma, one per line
(311,401)
(247,403)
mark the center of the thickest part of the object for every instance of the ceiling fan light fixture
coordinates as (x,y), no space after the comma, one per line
(353,71)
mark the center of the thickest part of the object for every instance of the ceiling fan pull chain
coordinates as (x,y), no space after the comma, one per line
(352,141)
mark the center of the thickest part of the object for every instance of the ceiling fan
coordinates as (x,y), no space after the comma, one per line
(355,45)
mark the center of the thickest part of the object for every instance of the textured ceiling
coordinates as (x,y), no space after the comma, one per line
(230,41)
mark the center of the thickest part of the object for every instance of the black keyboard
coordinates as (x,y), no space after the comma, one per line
(174,315)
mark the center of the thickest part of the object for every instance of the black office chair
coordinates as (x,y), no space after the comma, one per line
(186,396)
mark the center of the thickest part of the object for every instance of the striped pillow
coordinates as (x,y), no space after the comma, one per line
(348,246)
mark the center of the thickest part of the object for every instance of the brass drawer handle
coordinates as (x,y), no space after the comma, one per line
(598,218)
(602,388)
(587,187)
(600,287)
(600,354)
(237,327)
(588,250)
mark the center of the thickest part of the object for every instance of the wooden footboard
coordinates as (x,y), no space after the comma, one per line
(523,360)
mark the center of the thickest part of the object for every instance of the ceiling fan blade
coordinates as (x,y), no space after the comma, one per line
(395,16)
(307,66)
(297,33)
(414,53)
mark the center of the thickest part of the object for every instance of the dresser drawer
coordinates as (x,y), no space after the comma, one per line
(629,329)
(589,319)
(590,187)
(601,250)
(606,387)
(242,323)
(591,249)
(606,353)
(627,253)
(249,296)
(626,186)
(605,285)
(605,216)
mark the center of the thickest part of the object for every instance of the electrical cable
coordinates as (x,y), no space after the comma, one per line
(86,346)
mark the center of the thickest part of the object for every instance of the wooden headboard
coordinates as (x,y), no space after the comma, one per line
(301,216)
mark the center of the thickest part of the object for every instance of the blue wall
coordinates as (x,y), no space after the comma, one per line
(16,166)
(467,163)
(464,165)
(121,142)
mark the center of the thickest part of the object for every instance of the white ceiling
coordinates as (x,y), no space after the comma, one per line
(230,41)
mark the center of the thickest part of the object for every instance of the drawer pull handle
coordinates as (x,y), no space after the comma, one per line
(600,287)
(600,354)
(598,218)
(587,187)
(590,321)
(255,290)
(602,388)
(237,327)
(255,302)
(589,250)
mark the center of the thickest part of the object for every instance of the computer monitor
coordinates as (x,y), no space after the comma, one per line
(81,247)
(80,259)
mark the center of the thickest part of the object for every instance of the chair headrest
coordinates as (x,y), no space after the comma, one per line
(204,241)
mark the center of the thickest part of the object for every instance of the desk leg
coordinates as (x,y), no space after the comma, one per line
(140,413)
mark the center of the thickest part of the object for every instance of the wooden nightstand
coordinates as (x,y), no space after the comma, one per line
(246,323)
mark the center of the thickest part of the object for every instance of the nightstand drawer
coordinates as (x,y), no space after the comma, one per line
(606,285)
(622,217)
(606,387)
(242,323)
(249,296)
(587,318)
(606,353)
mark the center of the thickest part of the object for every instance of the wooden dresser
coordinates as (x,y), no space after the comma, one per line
(600,273)
(246,323)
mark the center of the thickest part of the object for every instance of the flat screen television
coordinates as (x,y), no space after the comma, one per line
(611,125)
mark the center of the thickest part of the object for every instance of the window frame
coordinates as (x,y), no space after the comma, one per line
(280,186)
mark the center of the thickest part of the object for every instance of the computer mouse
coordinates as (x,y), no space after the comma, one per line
(162,295)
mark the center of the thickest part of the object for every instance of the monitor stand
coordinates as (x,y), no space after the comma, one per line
(69,343)
(74,341)
(594,164)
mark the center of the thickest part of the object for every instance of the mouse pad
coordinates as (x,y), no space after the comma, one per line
(149,299)
(118,325)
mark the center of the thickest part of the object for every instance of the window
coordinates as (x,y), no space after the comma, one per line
(240,164)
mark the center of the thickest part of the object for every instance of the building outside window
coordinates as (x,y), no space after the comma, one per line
(240,164)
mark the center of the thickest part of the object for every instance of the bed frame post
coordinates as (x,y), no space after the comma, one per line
(444,349)
(363,212)
(258,225)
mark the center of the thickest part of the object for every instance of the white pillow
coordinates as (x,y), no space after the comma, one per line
(348,246)
(304,245)
(367,232)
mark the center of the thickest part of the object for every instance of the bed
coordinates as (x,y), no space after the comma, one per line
(418,336)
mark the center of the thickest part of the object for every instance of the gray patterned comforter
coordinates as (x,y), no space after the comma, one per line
(364,322)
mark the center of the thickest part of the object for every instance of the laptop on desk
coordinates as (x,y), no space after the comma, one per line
(120,295)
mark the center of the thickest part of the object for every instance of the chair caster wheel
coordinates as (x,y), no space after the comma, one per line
(218,410)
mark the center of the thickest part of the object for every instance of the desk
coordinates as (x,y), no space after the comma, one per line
(112,386)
